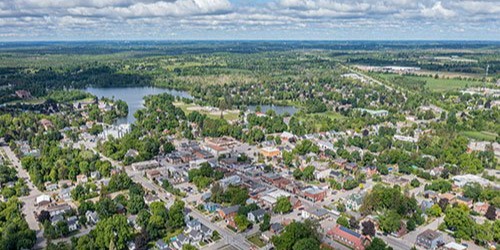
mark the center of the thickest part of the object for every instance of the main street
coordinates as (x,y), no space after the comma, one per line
(229,236)
(29,208)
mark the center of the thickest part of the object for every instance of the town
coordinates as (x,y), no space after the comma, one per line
(370,160)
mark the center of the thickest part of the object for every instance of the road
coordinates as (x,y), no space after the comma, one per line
(229,236)
(29,200)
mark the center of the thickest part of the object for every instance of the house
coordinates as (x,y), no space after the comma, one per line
(132,153)
(46,124)
(153,174)
(464,201)
(355,201)
(314,194)
(23,94)
(180,241)
(228,212)
(81,178)
(230,180)
(65,194)
(51,186)
(161,245)
(276,228)
(95,175)
(145,165)
(211,206)
(42,200)
(92,217)
(481,207)
(348,237)
(315,213)
(322,174)
(425,204)
(454,246)
(270,152)
(56,219)
(429,239)
(287,137)
(256,215)
(150,198)
(73,223)
(58,209)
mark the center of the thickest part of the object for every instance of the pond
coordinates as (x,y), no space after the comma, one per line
(278,109)
(134,97)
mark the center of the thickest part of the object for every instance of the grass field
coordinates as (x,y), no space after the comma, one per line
(255,239)
(440,84)
(480,135)
(230,115)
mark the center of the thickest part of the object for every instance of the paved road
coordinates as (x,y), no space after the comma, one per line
(29,200)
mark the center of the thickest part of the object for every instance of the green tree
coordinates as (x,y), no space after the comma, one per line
(283,205)
(116,229)
(343,221)
(378,244)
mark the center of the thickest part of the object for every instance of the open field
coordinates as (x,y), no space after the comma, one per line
(480,135)
(229,115)
(255,239)
(439,84)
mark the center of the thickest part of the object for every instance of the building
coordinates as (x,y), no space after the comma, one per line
(23,94)
(481,207)
(92,217)
(454,246)
(270,152)
(81,179)
(314,194)
(315,213)
(429,239)
(377,113)
(256,215)
(287,137)
(228,212)
(73,223)
(150,198)
(42,200)
(348,237)
(145,165)
(230,180)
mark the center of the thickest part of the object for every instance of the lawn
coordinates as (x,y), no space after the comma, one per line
(255,239)
(437,85)
(480,135)
(230,115)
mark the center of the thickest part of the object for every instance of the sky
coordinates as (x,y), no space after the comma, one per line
(47,20)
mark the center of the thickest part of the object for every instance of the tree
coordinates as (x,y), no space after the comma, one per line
(43,216)
(378,244)
(415,183)
(295,232)
(458,220)
(283,205)
(390,221)
(242,222)
(473,190)
(353,223)
(135,204)
(306,244)
(343,221)
(411,225)
(368,228)
(188,247)
(176,215)
(491,213)
(434,210)
(116,229)
(266,223)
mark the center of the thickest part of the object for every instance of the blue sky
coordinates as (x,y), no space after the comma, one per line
(249,20)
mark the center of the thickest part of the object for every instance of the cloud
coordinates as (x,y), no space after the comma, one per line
(102,19)
(437,11)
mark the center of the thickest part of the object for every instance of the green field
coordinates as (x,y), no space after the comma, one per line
(437,85)
(480,135)
(255,239)
(229,116)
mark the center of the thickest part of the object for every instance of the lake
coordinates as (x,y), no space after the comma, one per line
(278,109)
(134,97)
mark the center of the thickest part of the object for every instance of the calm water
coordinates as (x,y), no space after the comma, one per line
(278,109)
(133,97)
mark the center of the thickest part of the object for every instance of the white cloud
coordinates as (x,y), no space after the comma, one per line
(437,11)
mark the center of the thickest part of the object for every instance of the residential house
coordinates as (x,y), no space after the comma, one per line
(481,207)
(256,215)
(95,175)
(211,206)
(315,213)
(354,201)
(314,194)
(65,194)
(58,209)
(150,198)
(348,237)
(92,217)
(180,241)
(73,224)
(81,179)
(161,245)
(429,239)
(42,200)
(228,212)
(270,152)
(464,201)
(454,246)
(51,186)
